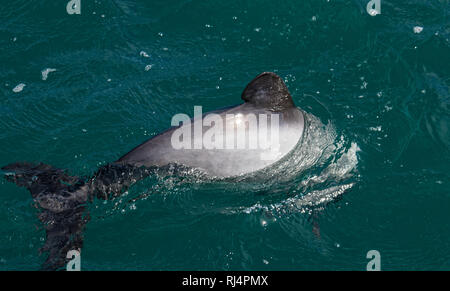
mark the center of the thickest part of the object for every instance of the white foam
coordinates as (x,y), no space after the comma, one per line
(417,29)
(45,73)
(375,128)
(18,88)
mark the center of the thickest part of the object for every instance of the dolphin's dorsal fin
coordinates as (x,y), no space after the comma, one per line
(269,91)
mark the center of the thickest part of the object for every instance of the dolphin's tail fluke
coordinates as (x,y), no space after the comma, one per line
(61,199)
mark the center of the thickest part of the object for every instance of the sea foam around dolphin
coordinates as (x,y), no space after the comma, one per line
(321,167)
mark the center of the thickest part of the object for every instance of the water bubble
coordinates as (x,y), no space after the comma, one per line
(376,128)
(144,54)
(263,222)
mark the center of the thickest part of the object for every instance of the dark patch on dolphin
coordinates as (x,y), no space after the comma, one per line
(62,198)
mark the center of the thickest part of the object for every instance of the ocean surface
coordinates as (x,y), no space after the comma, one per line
(371,173)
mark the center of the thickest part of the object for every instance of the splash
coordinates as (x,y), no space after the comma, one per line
(321,168)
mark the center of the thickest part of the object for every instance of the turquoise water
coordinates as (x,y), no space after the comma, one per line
(372,172)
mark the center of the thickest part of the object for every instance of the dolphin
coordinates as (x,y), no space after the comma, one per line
(266,95)
(233,146)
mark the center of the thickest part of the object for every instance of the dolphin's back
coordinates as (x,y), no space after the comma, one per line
(265,96)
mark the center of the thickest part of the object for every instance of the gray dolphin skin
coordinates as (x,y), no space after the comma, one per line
(62,198)
(266,95)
